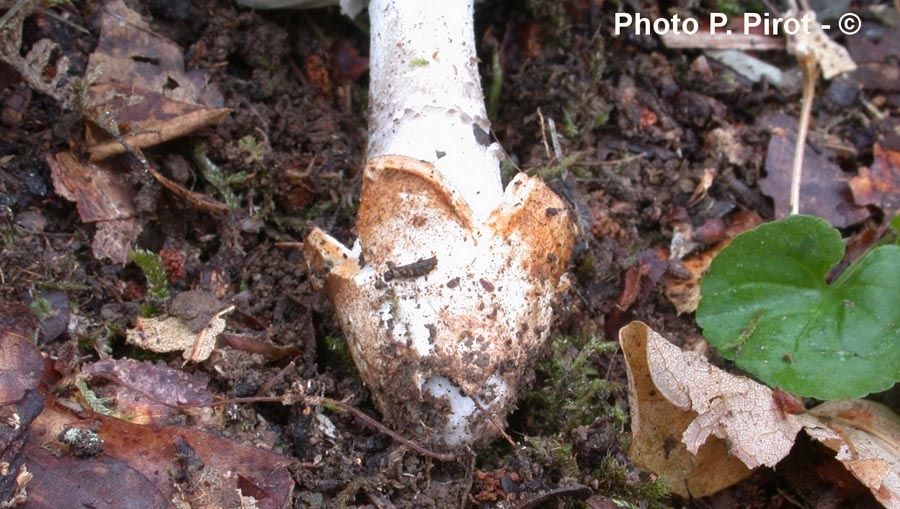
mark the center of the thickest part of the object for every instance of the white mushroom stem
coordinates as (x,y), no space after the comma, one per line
(425,98)
(446,299)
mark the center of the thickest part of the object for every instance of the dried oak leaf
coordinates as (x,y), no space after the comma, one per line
(680,403)
(147,388)
(657,425)
(880,185)
(869,446)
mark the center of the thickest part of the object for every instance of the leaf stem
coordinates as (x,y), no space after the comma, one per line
(810,72)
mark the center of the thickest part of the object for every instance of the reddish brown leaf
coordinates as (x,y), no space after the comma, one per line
(145,118)
(100,482)
(880,185)
(130,52)
(21,364)
(103,195)
(684,293)
(142,390)
(141,460)
(100,191)
(823,190)
(348,65)
(15,476)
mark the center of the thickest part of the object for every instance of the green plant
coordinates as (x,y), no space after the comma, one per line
(214,175)
(570,388)
(766,304)
(158,290)
(42,308)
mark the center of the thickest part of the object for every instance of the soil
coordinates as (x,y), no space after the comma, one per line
(644,124)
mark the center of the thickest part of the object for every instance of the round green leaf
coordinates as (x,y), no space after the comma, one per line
(765,304)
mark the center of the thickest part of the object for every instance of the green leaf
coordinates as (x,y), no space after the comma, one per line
(765,304)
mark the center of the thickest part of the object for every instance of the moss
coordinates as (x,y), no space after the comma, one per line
(42,308)
(617,482)
(557,454)
(214,175)
(253,148)
(151,265)
(570,392)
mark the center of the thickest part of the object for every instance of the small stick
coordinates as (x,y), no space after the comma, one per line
(578,491)
(309,400)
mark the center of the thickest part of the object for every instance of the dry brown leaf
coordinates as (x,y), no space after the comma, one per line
(684,294)
(657,426)
(873,452)
(138,463)
(831,56)
(823,192)
(139,86)
(21,371)
(144,118)
(130,53)
(171,334)
(21,364)
(880,185)
(681,403)
(103,195)
(142,390)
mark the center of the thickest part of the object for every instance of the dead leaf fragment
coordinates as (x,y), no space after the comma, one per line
(657,426)
(142,390)
(873,456)
(21,364)
(15,422)
(135,469)
(680,403)
(145,118)
(130,53)
(734,408)
(880,185)
(103,195)
(823,192)
(684,294)
(171,334)
(831,56)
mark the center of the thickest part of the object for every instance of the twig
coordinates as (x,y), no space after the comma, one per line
(12,12)
(309,400)
(577,491)
(315,400)
(809,67)
(468,480)
(544,135)
(554,138)
(614,162)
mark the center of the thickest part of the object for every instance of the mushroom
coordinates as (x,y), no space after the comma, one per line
(446,298)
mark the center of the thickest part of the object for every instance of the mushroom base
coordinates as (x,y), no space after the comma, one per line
(445,316)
